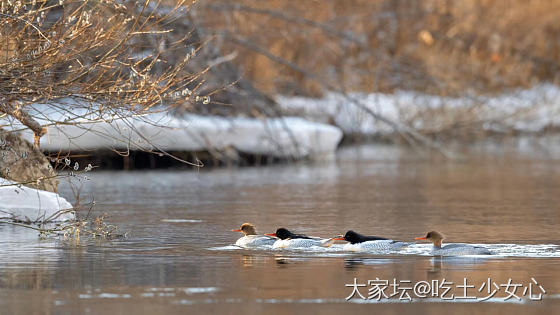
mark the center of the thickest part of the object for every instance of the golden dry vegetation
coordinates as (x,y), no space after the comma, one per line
(443,47)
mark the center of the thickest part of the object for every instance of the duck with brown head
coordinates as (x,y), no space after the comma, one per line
(452,249)
(251,238)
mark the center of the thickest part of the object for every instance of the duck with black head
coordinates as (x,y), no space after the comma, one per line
(289,240)
(452,249)
(364,243)
(251,238)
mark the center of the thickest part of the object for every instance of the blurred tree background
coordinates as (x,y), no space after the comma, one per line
(442,47)
(217,57)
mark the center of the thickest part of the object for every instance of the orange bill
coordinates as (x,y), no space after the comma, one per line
(339,239)
(236,230)
(270,234)
(420,238)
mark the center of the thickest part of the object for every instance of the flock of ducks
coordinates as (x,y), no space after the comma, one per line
(284,239)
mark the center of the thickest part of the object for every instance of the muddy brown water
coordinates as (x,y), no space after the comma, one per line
(178,256)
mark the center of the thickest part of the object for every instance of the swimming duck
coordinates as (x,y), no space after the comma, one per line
(358,242)
(251,238)
(452,249)
(289,240)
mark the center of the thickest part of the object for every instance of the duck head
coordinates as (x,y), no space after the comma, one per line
(282,234)
(247,229)
(434,237)
(351,237)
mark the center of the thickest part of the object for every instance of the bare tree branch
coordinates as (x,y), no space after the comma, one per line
(26,119)
(398,127)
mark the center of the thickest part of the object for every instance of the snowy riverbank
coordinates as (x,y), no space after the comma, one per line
(20,203)
(312,135)
(531,110)
(82,130)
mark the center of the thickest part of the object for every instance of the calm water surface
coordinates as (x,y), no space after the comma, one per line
(176,258)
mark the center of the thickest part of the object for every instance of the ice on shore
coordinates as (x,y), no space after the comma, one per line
(21,203)
(530,110)
(83,129)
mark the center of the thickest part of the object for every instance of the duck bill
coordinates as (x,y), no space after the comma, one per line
(270,234)
(420,238)
(339,239)
(236,230)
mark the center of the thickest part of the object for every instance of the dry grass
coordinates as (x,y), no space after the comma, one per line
(76,230)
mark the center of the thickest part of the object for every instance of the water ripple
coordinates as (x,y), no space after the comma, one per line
(498,250)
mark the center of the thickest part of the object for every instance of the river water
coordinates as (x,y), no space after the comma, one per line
(178,258)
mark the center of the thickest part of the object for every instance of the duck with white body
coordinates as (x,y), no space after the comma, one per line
(251,238)
(363,243)
(289,240)
(452,249)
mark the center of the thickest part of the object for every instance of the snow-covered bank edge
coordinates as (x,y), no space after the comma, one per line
(24,204)
(84,129)
(81,126)
(526,111)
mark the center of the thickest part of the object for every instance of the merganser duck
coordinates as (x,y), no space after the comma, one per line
(358,242)
(452,249)
(251,238)
(289,240)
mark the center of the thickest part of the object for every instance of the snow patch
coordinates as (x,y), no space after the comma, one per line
(23,203)
(530,110)
(85,129)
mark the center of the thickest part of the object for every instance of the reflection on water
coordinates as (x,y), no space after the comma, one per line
(178,255)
